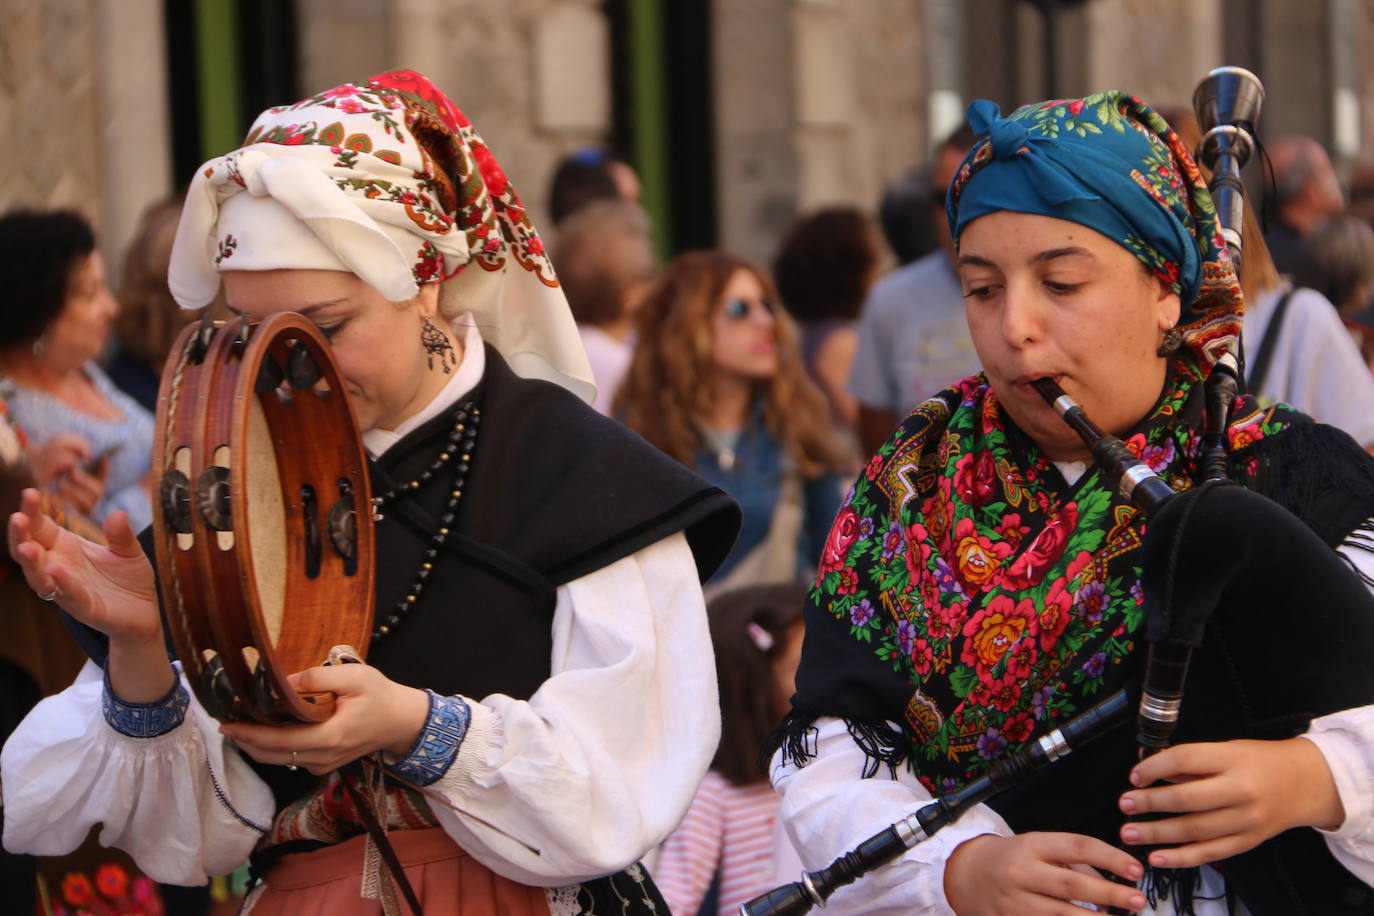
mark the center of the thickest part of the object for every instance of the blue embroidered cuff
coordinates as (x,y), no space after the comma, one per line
(146,720)
(437,747)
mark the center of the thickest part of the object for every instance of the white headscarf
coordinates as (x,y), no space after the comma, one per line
(389,181)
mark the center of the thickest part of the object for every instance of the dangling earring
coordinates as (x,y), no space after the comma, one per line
(40,346)
(1171,343)
(436,342)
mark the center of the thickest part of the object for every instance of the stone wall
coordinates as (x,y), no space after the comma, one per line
(83,98)
(49,105)
(817,101)
(1155,49)
(757,162)
(505,64)
(1364,75)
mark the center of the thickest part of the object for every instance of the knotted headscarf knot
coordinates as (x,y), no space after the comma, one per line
(1007,136)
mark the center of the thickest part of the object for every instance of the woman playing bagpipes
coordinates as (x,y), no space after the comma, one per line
(539,685)
(983,581)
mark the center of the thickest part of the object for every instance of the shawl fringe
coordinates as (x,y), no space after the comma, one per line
(883,744)
(1176,885)
(1362,538)
(795,737)
(1321,475)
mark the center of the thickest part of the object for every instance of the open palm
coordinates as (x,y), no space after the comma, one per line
(109,588)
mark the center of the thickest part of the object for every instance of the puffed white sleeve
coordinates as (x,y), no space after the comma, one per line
(1346,740)
(183,803)
(602,762)
(829,809)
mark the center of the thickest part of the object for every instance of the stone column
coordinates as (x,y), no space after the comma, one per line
(1364,25)
(1156,49)
(49,56)
(756,160)
(1296,69)
(947,96)
(818,103)
(343,40)
(1343,31)
(133,121)
(533,75)
(572,69)
(826,103)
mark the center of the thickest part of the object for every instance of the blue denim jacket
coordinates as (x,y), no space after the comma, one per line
(755,481)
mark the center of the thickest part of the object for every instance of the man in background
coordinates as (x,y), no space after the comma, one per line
(913,337)
(1307,192)
(590,174)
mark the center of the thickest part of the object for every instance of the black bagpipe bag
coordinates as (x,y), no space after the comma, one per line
(1282,630)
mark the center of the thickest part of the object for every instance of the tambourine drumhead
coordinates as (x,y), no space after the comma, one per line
(295,621)
(265,547)
(266,519)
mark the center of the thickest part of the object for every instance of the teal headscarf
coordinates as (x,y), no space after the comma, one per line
(1110,163)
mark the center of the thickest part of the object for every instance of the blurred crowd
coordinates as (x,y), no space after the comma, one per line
(773,381)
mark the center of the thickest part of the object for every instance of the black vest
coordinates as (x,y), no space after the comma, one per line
(555,491)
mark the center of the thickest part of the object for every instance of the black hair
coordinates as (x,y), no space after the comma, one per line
(1290,182)
(905,210)
(960,139)
(581,177)
(39,251)
(825,264)
(904,214)
(1343,248)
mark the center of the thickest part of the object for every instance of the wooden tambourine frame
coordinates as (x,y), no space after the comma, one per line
(263,524)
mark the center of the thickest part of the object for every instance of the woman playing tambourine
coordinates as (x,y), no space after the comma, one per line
(547,707)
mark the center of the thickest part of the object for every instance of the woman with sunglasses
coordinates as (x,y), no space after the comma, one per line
(717,382)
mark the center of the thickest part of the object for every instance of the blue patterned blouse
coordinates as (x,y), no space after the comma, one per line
(43,416)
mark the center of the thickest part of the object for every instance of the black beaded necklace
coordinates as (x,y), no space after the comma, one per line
(461,440)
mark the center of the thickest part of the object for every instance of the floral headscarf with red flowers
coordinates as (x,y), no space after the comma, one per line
(967,592)
(1110,163)
(386,179)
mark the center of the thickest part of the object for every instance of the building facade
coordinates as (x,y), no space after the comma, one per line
(739,114)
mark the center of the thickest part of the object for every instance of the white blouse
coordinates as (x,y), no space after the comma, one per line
(593,771)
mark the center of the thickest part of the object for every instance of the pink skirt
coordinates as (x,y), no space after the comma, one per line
(448,882)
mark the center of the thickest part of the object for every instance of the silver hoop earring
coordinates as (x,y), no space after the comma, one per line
(40,346)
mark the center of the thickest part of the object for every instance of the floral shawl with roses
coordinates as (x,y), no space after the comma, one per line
(970,594)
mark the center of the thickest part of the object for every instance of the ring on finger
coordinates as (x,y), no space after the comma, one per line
(50,596)
(292,765)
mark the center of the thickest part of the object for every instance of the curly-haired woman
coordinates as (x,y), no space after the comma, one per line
(717,382)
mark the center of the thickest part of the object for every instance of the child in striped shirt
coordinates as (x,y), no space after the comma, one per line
(731,847)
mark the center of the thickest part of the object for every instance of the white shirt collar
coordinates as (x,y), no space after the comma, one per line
(465,378)
(1071,470)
